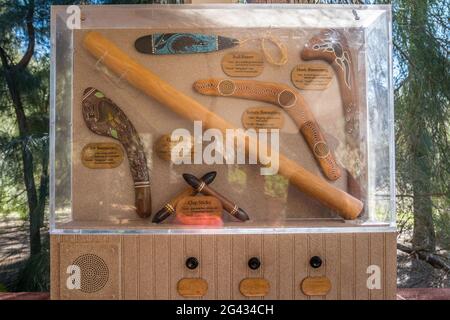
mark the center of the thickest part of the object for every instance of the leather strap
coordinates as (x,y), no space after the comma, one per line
(288,99)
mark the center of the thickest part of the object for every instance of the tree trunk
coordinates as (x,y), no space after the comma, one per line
(423,233)
(43,186)
(11,72)
(27,159)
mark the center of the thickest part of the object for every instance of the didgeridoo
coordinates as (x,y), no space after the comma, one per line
(288,99)
(228,205)
(104,117)
(331,45)
(149,83)
(169,207)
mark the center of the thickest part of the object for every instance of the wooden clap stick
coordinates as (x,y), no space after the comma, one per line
(145,80)
(286,98)
(104,117)
(228,205)
(169,207)
(331,46)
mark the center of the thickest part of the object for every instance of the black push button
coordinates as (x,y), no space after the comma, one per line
(191,263)
(254,263)
(315,262)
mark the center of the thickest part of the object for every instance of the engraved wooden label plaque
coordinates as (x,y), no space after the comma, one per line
(164,145)
(312,76)
(103,155)
(200,210)
(263,118)
(200,205)
(243,64)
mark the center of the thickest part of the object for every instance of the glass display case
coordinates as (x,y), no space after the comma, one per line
(220,120)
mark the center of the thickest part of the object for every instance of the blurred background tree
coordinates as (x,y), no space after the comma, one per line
(421,47)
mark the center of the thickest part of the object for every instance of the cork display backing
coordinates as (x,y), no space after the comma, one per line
(106,197)
(151,266)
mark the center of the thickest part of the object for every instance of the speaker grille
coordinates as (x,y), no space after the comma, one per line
(94,272)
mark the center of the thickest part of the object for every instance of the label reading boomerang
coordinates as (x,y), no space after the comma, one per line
(263,118)
(104,155)
(312,76)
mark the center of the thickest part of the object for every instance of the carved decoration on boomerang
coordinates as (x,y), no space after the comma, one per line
(332,46)
(145,80)
(105,118)
(286,98)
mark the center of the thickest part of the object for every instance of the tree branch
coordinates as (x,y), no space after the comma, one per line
(4,58)
(23,63)
(435,260)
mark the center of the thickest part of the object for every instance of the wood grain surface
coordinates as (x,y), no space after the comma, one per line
(150,266)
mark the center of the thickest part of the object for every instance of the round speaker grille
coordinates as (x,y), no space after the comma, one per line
(226,87)
(94,272)
(286,98)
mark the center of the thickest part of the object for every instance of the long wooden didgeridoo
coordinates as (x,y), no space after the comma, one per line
(149,83)
(169,207)
(286,98)
(228,205)
(331,46)
(104,117)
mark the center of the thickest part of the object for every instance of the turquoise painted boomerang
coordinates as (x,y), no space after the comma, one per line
(183,43)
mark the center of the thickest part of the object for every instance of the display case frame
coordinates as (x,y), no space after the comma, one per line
(63,118)
(85,221)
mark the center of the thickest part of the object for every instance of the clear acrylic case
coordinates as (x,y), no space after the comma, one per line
(299,199)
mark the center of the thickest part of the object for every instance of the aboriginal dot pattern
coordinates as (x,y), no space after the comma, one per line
(94,272)
(226,87)
(321,149)
(286,98)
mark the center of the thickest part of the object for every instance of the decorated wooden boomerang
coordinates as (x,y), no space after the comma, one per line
(183,43)
(149,83)
(105,118)
(331,46)
(288,99)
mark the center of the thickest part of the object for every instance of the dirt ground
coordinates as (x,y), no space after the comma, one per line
(14,250)
(415,273)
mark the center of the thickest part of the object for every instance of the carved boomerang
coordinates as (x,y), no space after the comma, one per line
(286,98)
(183,43)
(105,118)
(332,46)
